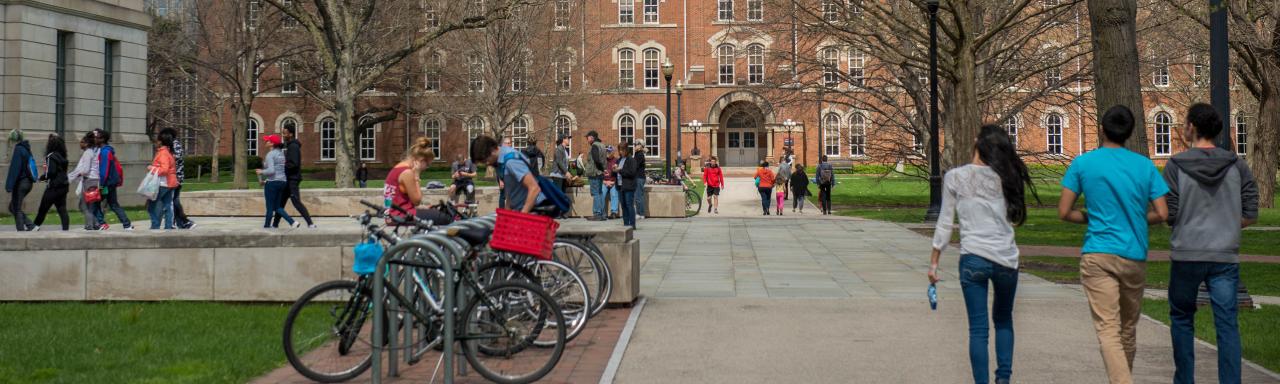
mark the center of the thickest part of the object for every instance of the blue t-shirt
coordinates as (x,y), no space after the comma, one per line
(1117,185)
(513,171)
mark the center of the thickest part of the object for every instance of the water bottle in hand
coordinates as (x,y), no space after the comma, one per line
(933,296)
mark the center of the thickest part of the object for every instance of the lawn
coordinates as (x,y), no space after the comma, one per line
(136,214)
(312,181)
(1260,278)
(130,342)
(1259,330)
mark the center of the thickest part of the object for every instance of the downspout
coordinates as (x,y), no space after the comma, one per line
(684,45)
(1079,109)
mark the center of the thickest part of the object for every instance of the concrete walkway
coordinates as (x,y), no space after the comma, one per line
(741,198)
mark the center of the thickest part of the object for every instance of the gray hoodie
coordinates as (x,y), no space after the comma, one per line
(1210,191)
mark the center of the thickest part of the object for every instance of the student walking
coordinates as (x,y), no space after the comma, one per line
(799,188)
(593,168)
(626,171)
(55,173)
(111,176)
(293,175)
(988,196)
(179,215)
(611,182)
(22,176)
(560,164)
(764,183)
(825,177)
(362,175)
(1212,195)
(783,178)
(86,177)
(274,178)
(642,198)
(164,167)
(1124,193)
(713,179)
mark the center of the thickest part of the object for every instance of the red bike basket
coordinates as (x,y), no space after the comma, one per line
(523,233)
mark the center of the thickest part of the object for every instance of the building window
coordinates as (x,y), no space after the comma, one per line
(519,79)
(254,14)
(434,65)
(367,142)
(725,55)
(857,67)
(1161,76)
(475,126)
(830,64)
(285,20)
(60,84)
(855,8)
(1164,133)
(755,64)
(564,72)
(252,137)
(626,129)
(650,11)
(1053,128)
(651,68)
(287,78)
(1242,135)
(475,73)
(626,69)
(520,133)
(1011,126)
(831,134)
(328,139)
(431,127)
(562,14)
(858,135)
(564,127)
(626,11)
(651,134)
(830,11)
(917,143)
(725,10)
(755,10)
(1052,77)
(108,83)
(429,13)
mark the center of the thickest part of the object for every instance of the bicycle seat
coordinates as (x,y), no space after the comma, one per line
(475,236)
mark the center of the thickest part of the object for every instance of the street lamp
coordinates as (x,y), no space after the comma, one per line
(1220,96)
(697,127)
(679,118)
(667,71)
(790,126)
(935,169)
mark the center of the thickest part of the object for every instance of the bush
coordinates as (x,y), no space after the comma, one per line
(192,163)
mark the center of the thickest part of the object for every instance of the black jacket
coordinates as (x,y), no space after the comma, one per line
(362,174)
(640,165)
(627,175)
(293,160)
(799,184)
(57,173)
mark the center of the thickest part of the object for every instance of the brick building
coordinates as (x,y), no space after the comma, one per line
(727,57)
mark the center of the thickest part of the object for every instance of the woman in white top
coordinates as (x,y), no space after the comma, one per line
(86,176)
(988,197)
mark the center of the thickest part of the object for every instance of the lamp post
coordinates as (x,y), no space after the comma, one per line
(935,171)
(696,126)
(667,70)
(1220,96)
(790,124)
(679,118)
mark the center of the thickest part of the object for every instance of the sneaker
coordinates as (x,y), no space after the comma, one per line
(128,227)
(595,218)
(190,225)
(104,227)
(708,208)
(312,226)
(299,225)
(1002,381)
(639,217)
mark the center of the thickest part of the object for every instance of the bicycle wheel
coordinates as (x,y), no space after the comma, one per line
(570,294)
(692,203)
(507,317)
(590,266)
(328,330)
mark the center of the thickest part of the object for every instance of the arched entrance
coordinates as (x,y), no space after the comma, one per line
(742,137)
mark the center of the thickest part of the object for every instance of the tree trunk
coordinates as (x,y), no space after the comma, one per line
(1117,80)
(344,165)
(240,152)
(965,120)
(1264,148)
(213,160)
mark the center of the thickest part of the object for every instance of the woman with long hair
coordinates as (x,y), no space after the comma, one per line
(55,173)
(165,167)
(988,196)
(86,175)
(275,183)
(403,189)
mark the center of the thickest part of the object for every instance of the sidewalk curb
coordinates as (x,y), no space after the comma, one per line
(1248,363)
(615,361)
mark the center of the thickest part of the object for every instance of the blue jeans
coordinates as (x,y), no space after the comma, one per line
(597,194)
(111,199)
(629,208)
(766,196)
(161,209)
(1184,285)
(613,199)
(274,194)
(975,272)
(642,203)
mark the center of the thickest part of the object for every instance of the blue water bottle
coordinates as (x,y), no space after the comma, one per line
(933,296)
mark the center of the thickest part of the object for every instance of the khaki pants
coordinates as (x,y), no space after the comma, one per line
(1114,287)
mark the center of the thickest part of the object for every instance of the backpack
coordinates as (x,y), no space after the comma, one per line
(31,165)
(550,190)
(826,176)
(115,173)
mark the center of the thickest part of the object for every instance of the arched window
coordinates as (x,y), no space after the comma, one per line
(830,64)
(831,134)
(328,139)
(755,64)
(857,67)
(626,129)
(725,56)
(651,134)
(288,123)
(431,128)
(651,68)
(252,135)
(564,128)
(520,133)
(1164,133)
(1011,126)
(368,142)
(1242,135)
(626,68)
(858,135)
(1053,129)
(475,126)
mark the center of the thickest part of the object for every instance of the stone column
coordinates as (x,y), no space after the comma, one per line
(769,152)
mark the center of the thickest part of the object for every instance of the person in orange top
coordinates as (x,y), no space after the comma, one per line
(713,179)
(764,182)
(164,166)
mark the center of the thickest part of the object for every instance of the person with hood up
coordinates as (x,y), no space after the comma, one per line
(22,176)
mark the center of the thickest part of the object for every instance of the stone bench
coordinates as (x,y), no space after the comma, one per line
(220,265)
(664,201)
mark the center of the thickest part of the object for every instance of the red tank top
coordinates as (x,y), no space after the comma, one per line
(394,196)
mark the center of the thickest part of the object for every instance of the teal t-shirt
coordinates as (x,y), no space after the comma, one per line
(1117,185)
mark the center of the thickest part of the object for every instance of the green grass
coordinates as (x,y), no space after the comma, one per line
(1261,278)
(311,183)
(138,215)
(903,191)
(1259,330)
(129,342)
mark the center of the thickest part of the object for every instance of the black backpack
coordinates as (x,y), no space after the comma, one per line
(826,176)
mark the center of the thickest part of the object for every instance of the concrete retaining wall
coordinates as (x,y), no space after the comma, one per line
(246,265)
(664,201)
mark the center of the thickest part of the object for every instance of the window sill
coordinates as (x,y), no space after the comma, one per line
(638,25)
